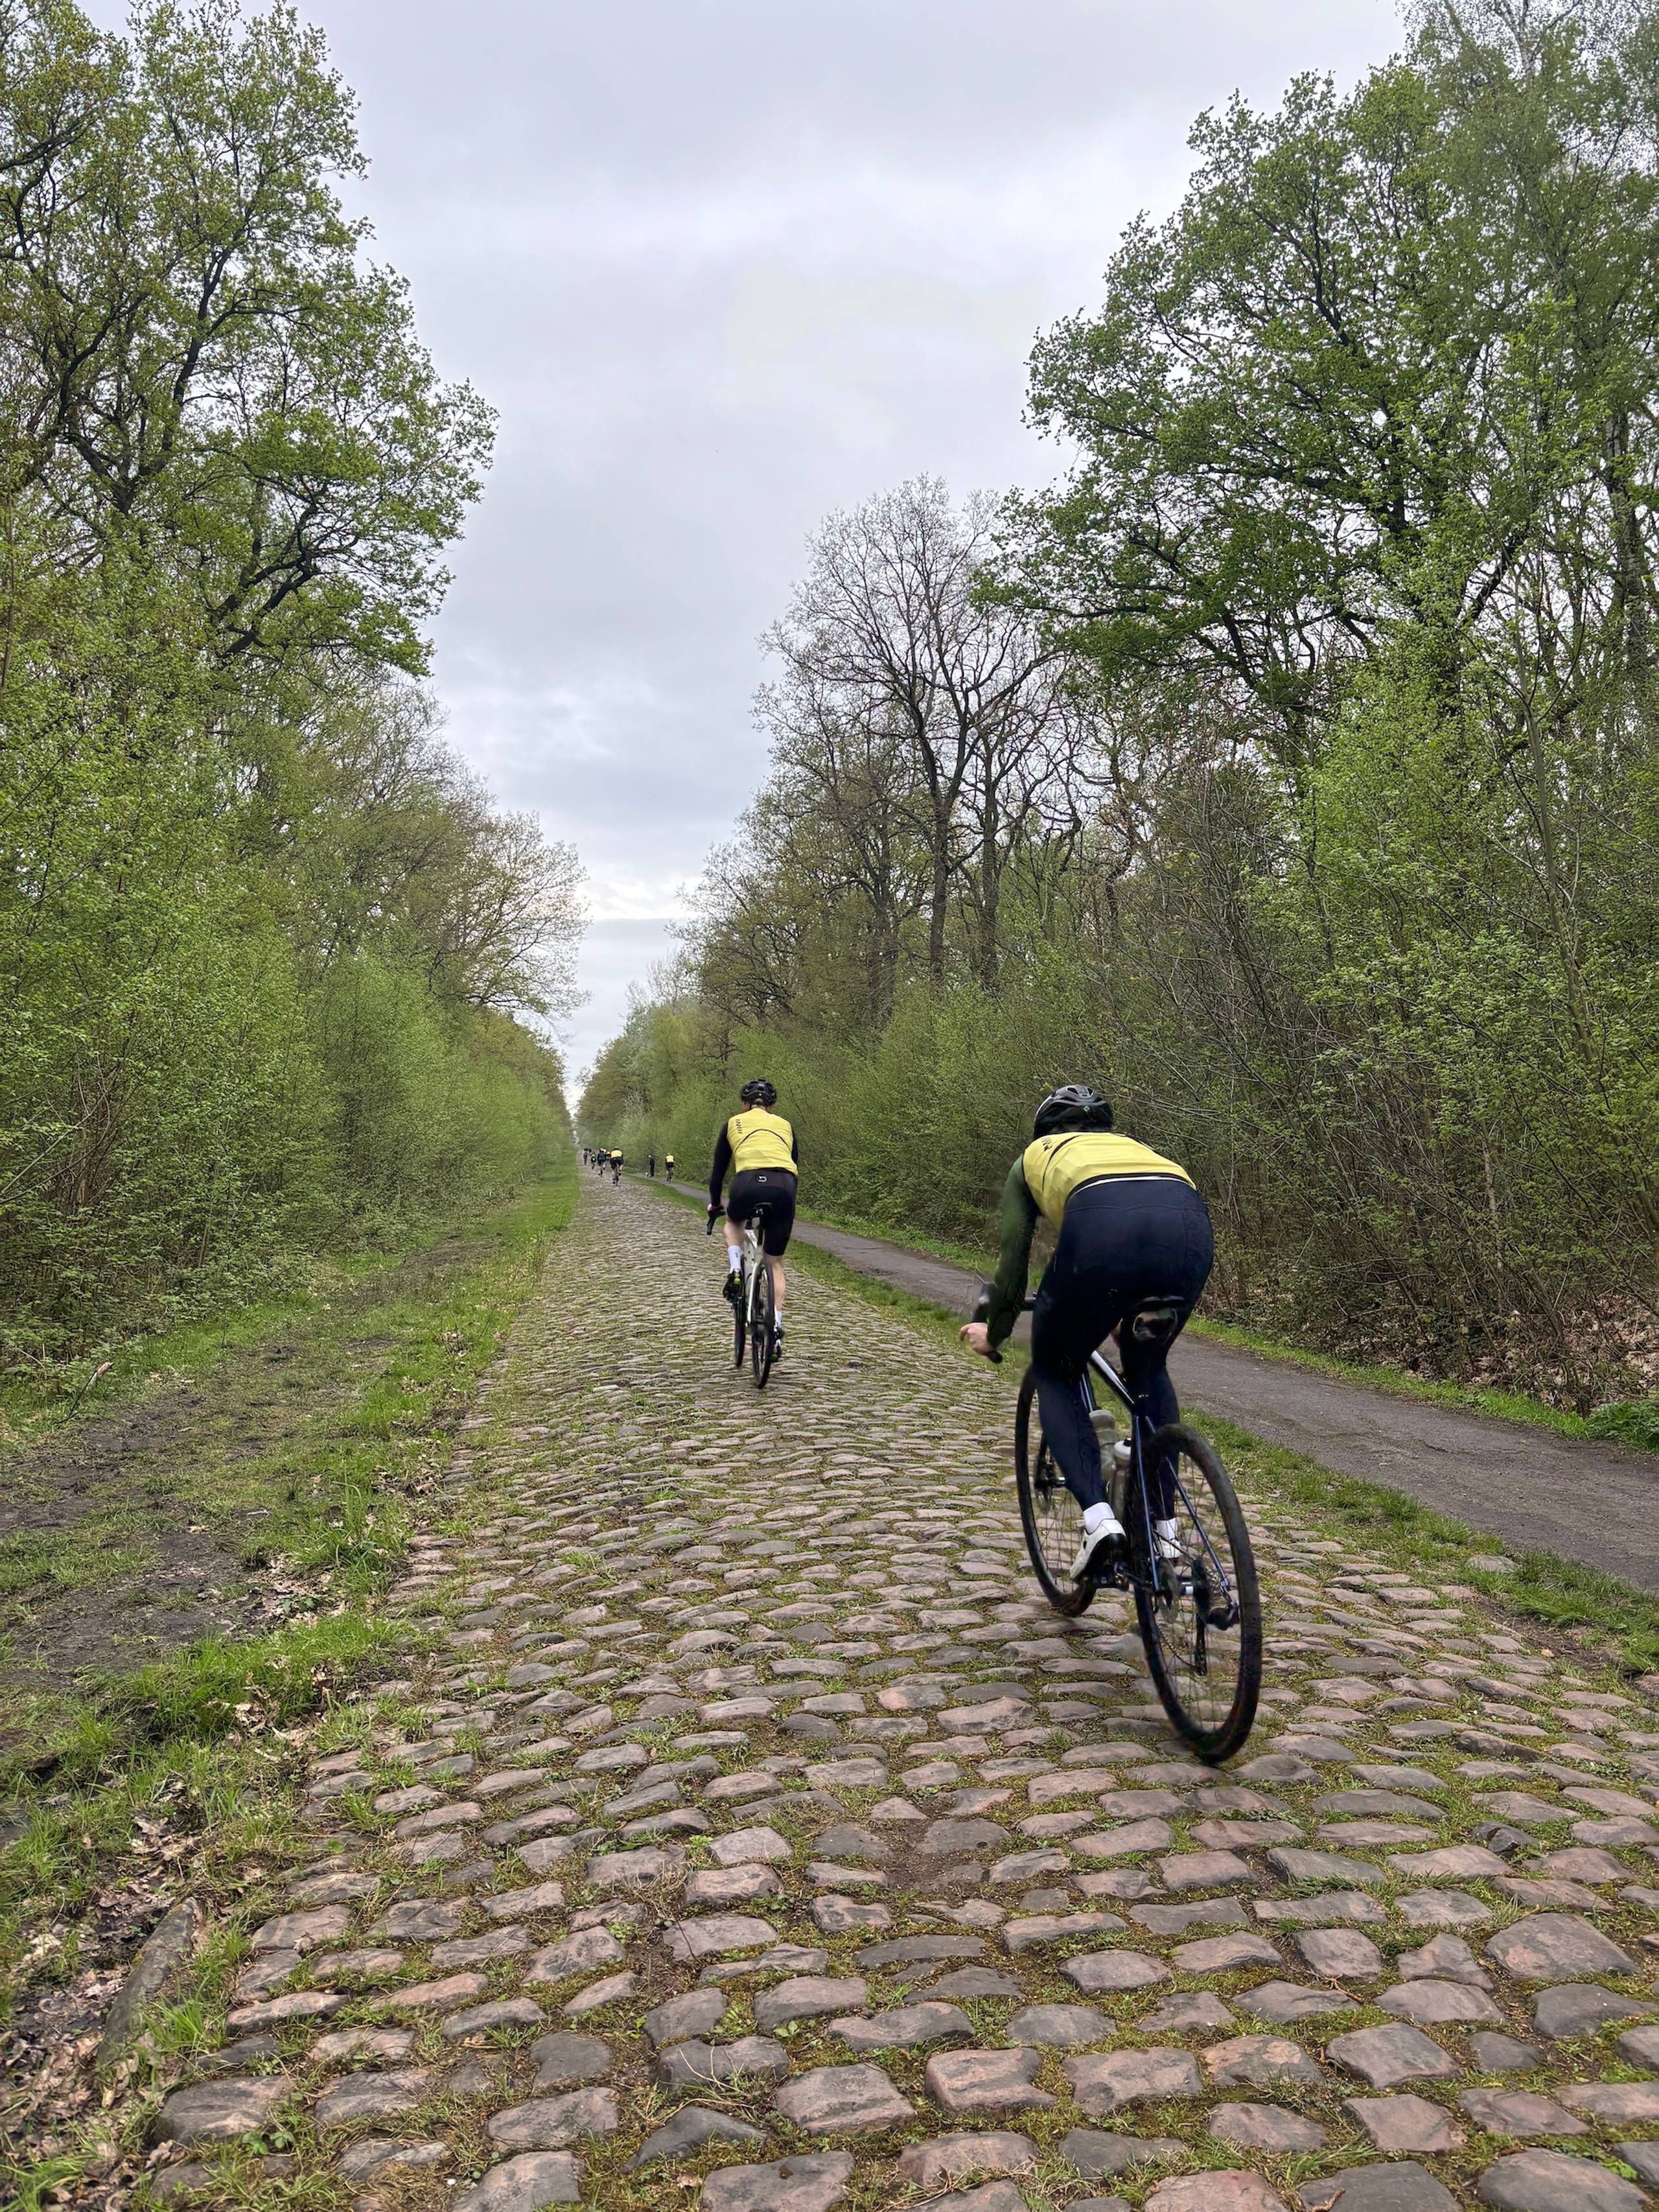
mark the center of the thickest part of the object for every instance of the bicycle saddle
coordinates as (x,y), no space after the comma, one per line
(1157,1321)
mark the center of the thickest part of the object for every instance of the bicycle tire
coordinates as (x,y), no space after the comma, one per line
(740,1320)
(1049,1514)
(1213,1735)
(760,1330)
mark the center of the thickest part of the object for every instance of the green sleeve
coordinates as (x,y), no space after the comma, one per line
(1019,1217)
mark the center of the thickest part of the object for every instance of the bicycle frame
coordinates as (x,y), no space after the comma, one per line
(1140,1431)
(754,1259)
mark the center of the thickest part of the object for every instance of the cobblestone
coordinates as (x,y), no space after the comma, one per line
(754,1821)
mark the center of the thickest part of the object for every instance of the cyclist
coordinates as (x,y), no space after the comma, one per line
(1132,1226)
(759,1147)
(615,1167)
(668,1167)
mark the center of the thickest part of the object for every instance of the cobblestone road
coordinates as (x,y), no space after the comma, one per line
(761,1842)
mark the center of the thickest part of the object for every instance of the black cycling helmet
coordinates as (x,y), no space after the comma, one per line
(1074,1106)
(759,1093)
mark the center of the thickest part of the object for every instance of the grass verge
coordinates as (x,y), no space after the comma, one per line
(271,1478)
(102,1782)
(1592,1610)
(124,1372)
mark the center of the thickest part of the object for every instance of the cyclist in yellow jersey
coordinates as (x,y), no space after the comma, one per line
(1131,1227)
(759,1148)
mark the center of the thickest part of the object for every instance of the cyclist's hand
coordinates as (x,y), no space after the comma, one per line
(977,1337)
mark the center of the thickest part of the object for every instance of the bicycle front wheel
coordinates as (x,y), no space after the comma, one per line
(1050,1516)
(761,1325)
(1200,1608)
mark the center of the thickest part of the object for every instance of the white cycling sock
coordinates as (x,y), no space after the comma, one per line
(735,1254)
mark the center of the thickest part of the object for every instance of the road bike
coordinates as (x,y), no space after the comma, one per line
(1198,1604)
(754,1314)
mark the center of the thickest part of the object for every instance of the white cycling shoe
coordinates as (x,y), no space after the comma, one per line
(1167,1536)
(1102,1534)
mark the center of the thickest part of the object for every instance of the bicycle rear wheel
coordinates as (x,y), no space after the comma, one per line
(1201,1624)
(1050,1516)
(740,1320)
(760,1327)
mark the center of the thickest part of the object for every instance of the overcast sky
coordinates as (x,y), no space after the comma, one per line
(723,266)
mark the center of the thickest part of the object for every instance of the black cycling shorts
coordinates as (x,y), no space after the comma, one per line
(775,1187)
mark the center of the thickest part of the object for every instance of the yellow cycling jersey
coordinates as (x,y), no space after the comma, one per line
(1055,1166)
(760,1139)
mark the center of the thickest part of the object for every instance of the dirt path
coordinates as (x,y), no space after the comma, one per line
(757,1840)
(136,1533)
(1530,1488)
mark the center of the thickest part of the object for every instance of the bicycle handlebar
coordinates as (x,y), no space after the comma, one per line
(982,1310)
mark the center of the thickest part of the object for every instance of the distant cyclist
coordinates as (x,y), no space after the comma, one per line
(759,1148)
(668,1167)
(1132,1226)
(615,1167)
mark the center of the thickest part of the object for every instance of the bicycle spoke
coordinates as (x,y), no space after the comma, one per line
(1051,1516)
(1198,1608)
(1059,1522)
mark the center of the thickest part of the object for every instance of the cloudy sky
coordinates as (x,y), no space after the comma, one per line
(723,266)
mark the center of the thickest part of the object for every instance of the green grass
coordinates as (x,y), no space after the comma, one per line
(124,1371)
(314,1466)
(977,1259)
(1590,1608)
(200,1757)
(194,1731)
(935,1321)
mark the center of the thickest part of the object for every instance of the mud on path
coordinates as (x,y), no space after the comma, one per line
(130,1535)
(753,1838)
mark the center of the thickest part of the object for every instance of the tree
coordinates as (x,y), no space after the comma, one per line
(198,360)
(1349,383)
(886,645)
(262,935)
